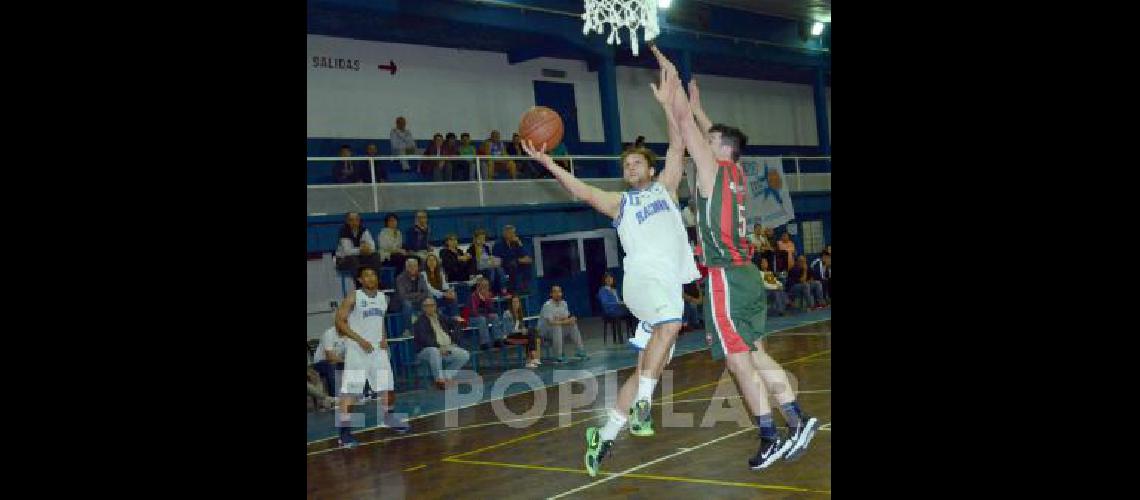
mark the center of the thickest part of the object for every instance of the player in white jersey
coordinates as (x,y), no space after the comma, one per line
(658,263)
(360,319)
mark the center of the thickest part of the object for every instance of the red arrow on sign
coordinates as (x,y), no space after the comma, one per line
(390,67)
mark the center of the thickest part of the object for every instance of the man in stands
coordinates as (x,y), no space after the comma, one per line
(402,142)
(348,171)
(516,261)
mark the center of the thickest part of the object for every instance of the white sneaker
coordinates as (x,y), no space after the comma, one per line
(531,364)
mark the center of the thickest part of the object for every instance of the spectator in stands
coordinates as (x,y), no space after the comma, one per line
(612,305)
(524,168)
(437,170)
(456,263)
(487,264)
(493,146)
(555,322)
(512,324)
(355,247)
(516,262)
(437,284)
(392,243)
(329,358)
(788,248)
(467,148)
(760,241)
(803,285)
(402,142)
(436,342)
(689,218)
(777,298)
(420,242)
(694,306)
(451,148)
(321,399)
(378,165)
(821,270)
(411,288)
(483,315)
(348,171)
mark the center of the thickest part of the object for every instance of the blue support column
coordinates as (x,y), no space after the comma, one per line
(820,93)
(607,88)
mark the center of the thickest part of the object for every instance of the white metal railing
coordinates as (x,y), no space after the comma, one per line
(480,184)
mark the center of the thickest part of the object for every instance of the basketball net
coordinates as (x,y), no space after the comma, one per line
(631,14)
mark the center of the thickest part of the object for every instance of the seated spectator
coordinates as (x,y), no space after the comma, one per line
(485,263)
(437,170)
(420,243)
(759,239)
(451,148)
(788,249)
(458,265)
(355,247)
(802,284)
(483,315)
(493,146)
(411,288)
(777,298)
(329,358)
(526,169)
(466,148)
(392,243)
(377,165)
(436,279)
(612,305)
(512,324)
(694,306)
(821,270)
(436,344)
(348,171)
(555,322)
(321,399)
(516,262)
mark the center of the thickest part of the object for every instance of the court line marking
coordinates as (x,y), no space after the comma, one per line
(643,476)
(418,467)
(598,411)
(417,417)
(651,462)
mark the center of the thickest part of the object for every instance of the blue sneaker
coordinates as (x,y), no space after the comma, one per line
(345,439)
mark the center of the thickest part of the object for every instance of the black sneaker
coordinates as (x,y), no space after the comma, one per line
(770,451)
(800,436)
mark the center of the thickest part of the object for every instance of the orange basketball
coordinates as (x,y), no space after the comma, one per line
(539,125)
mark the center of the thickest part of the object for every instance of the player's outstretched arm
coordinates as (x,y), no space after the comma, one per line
(603,201)
(696,143)
(670,84)
(699,111)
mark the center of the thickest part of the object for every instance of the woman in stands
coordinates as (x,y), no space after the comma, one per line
(437,285)
(488,265)
(392,251)
(517,332)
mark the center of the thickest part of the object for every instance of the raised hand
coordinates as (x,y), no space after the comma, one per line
(694,93)
(537,154)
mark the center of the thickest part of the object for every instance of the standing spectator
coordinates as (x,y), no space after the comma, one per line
(347,171)
(392,243)
(329,358)
(377,165)
(436,344)
(555,322)
(483,315)
(777,298)
(451,148)
(355,247)
(694,302)
(402,142)
(788,249)
(612,305)
(411,288)
(467,148)
(493,146)
(802,284)
(438,170)
(512,325)
(487,264)
(515,260)
(456,263)
(420,242)
(821,270)
(760,242)
(436,279)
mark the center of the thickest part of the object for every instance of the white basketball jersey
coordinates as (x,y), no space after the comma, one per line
(367,317)
(653,235)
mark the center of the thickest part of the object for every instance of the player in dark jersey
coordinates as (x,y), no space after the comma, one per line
(736,309)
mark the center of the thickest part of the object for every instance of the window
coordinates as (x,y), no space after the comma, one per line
(813,236)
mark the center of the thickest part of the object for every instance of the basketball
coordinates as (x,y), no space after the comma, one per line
(539,125)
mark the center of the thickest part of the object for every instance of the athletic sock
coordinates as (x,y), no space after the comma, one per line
(792,413)
(613,426)
(767,426)
(645,388)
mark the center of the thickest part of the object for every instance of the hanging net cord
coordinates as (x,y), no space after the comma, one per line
(631,14)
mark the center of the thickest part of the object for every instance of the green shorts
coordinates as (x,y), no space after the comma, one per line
(736,308)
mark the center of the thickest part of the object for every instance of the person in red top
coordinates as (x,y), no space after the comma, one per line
(483,315)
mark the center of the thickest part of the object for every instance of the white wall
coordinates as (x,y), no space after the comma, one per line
(441,90)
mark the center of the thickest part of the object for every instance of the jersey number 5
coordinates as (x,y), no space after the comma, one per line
(741,230)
